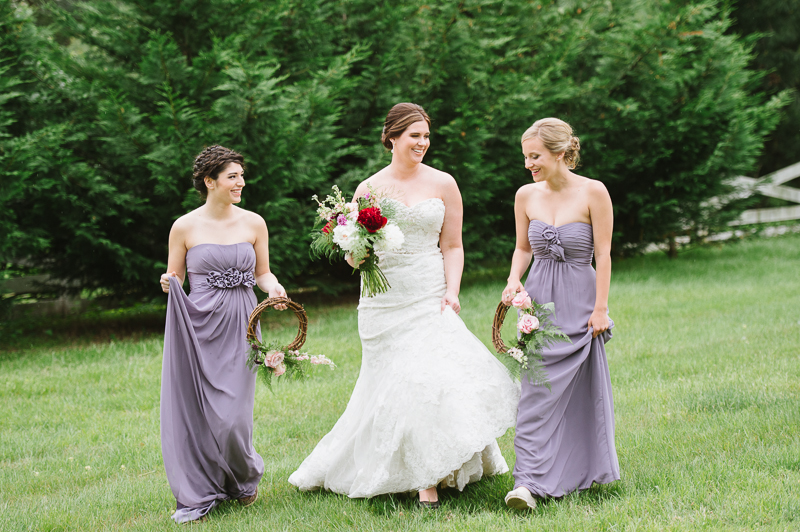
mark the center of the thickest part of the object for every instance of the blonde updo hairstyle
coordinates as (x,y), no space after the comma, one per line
(557,137)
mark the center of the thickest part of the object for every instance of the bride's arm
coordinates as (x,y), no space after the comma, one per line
(522,251)
(451,245)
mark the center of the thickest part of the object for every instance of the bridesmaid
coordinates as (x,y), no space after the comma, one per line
(564,439)
(207,391)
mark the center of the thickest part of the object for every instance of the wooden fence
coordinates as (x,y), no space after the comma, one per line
(771,185)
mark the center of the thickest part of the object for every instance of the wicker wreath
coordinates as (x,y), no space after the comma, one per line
(497,325)
(297,308)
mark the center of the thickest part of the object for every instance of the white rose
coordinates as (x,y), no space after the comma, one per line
(392,238)
(345,236)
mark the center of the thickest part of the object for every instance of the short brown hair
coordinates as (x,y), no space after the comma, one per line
(211,161)
(399,118)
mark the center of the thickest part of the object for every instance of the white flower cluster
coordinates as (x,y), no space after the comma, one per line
(347,236)
(391,238)
(322,360)
(518,355)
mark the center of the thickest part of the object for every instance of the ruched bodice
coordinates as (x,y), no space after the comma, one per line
(571,242)
(203,260)
(421,225)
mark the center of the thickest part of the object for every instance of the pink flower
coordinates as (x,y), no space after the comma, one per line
(527,323)
(280,369)
(273,359)
(521,301)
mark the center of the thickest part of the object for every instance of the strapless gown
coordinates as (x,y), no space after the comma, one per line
(430,400)
(207,391)
(565,438)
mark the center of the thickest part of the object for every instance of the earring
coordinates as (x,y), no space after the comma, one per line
(392,147)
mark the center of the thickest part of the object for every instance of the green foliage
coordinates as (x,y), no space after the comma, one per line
(105,105)
(778,56)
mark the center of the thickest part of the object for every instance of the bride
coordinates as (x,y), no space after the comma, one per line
(430,400)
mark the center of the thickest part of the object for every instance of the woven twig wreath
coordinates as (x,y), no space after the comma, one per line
(297,308)
(497,326)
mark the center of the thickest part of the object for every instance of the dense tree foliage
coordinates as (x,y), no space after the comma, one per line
(778,53)
(105,104)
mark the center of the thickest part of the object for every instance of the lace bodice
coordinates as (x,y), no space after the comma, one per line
(421,225)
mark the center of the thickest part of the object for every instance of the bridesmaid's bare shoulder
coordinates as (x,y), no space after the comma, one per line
(527,191)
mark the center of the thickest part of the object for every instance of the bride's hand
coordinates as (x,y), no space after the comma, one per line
(598,323)
(165,281)
(278,291)
(511,289)
(452,301)
(349,258)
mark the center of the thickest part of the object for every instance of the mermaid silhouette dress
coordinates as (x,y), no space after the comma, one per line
(565,438)
(430,400)
(207,391)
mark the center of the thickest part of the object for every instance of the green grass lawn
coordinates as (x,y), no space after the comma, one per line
(705,365)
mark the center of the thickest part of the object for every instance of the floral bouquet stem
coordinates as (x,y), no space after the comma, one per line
(373,280)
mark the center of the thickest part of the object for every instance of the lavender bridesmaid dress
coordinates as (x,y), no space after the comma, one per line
(207,391)
(565,439)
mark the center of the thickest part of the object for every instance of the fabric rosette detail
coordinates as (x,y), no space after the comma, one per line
(553,243)
(231,278)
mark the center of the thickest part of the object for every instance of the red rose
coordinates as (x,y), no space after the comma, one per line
(371,219)
(327,228)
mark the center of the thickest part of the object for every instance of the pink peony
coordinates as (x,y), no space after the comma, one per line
(521,301)
(273,359)
(527,323)
(280,369)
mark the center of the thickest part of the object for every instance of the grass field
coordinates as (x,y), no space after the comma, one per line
(705,366)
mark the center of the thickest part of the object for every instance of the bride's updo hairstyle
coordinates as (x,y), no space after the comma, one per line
(557,137)
(399,118)
(210,163)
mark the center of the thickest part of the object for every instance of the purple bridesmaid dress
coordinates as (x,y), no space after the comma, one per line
(565,438)
(207,391)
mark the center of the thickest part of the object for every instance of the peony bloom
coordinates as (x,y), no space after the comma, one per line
(345,236)
(527,323)
(280,369)
(522,301)
(392,238)
(371,219)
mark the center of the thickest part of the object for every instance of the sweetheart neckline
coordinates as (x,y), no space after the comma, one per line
(417,203)
(558,226)
(215,244)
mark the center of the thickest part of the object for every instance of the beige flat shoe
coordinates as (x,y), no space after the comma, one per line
(247,501)
(520,499)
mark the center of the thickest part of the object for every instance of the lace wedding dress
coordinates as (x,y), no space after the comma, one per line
(430,400)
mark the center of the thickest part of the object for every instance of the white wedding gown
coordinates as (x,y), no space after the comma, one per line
(430,400)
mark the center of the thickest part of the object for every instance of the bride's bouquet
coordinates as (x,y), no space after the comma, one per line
(359,228)
(535,331)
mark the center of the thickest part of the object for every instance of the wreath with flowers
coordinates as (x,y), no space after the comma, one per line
(535,331)
(274,360)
